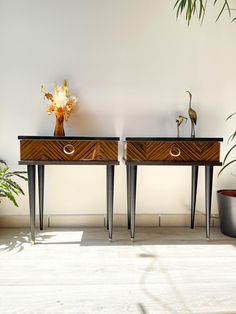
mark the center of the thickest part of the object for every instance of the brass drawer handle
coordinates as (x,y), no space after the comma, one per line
(175,151)
(69,149)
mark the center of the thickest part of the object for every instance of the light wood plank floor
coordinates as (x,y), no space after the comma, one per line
(166,270)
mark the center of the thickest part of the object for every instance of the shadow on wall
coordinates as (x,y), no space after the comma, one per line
(147,125)
(86,123)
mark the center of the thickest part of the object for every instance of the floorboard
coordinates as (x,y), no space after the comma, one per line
(166,271)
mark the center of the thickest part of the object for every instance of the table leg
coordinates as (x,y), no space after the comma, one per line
(110,197)
(107,220)
(108,200)
(41,194)
(31,187)
(194,193)
(133,184)
(208,197)
(128,194)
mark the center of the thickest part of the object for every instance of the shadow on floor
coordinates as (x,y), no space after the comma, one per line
(121,237)
(142,308)
(18,240)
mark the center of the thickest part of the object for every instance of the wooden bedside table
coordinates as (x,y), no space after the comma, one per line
(159,151)
(69,150)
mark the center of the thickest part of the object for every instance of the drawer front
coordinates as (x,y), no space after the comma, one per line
(171,151)
(68,150)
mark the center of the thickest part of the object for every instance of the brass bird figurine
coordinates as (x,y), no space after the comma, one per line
(192,115)
(179,120)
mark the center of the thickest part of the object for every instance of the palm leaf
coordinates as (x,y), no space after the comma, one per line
(226,156)
(230,116)
(22,177)
(232,136)
(225,6)
(18,174)
(225,166)
(198,8)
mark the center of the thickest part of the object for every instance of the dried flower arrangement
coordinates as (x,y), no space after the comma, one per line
(62,104)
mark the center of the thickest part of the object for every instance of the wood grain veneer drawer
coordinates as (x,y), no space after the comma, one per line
(172,151)
(47,150)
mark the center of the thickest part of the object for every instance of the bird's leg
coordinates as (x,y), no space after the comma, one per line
(192,129)
(177,129)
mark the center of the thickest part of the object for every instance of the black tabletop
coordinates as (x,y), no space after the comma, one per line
(71,138)
(176,139)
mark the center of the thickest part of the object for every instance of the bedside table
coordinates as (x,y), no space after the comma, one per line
(69,150)
(159,151)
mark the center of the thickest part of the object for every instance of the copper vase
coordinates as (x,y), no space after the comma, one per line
(59,127)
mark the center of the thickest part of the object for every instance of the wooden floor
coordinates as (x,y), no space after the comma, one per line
(166,270)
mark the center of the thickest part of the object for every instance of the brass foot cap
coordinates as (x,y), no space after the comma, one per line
(110,239)
(132,239)
(33,242)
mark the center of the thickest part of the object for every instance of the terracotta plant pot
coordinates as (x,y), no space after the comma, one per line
(227,211)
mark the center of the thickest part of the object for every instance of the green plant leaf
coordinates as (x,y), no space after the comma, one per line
(11,198)
(3,171)
(225,166)
(198,8)
(18,174)
(231,138)
(226,156)
(230,116)
(225,6)
(9,188)
(17,188)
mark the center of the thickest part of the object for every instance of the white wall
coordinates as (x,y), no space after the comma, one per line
(130,63)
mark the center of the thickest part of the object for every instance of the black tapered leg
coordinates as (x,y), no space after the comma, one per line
(133,179)
(107,220)
(128,194)
(208,197)
(110,198)
(194,193)
(41,194)
(31,186)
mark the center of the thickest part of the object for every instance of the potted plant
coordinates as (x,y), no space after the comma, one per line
(9,188)
(226,198)
(198,8)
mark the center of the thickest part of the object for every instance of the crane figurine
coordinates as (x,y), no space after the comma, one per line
(179,120)
(192,115)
